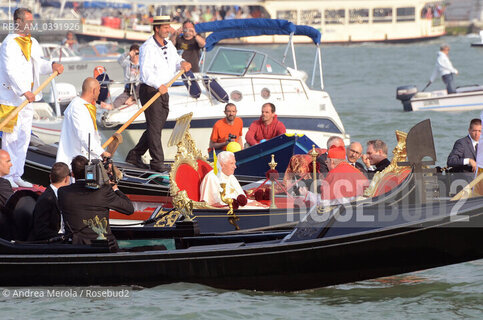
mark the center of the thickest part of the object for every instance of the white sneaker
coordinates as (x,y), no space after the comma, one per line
(13,184)
(23,183)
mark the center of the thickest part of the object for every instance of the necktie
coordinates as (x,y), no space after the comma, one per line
(476,147)
(25,44)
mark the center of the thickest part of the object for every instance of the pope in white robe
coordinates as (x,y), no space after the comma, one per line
(79,122)
(20,68)
(210,186)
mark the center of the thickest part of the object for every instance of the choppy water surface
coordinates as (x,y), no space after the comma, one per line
(362,81)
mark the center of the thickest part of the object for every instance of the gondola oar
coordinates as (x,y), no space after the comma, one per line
(15,111)
(116,135)
(467,189)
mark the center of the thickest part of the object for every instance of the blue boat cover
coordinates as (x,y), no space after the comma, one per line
(237,28)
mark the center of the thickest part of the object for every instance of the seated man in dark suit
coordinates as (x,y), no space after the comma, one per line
(354,152)
(375,158)
(47,219)
(463,156)
(78,203)
(5,186)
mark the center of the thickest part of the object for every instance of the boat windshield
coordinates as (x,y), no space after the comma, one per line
(241,62)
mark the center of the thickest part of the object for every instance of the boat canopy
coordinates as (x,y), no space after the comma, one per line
(237,28)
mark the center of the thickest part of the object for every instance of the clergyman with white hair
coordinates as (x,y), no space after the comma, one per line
(210,186)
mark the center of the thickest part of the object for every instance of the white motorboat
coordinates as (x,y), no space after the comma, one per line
(79,65)
(478,44)
(466,98)
(249,78)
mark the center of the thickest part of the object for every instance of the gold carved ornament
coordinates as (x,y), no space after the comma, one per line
(399,155)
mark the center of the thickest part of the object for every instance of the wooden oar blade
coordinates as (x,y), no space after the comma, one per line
(117,140)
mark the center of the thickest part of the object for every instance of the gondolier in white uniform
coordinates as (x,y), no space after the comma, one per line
(80,123)
(159,62)
(20,67)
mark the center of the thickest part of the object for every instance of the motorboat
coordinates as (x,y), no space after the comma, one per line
(466,98)
(478,44)
(245,77)
(80,64)
(248,78)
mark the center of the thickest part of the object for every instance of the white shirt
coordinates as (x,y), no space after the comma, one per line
(479,152)
(210,187)
(158,68)
(443,66)
(74,137)
(17,74)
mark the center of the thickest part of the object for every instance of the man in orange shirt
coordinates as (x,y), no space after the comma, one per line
(227,129)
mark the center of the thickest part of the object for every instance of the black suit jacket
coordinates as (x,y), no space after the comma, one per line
(463,148)
(360,166)
(5,191)
(78,203)
(382,164)
(46,223)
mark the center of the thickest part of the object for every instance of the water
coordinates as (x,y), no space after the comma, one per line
(362,81)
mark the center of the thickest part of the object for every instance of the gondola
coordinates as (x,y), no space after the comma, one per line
(407,228)
(280,211)
(316,253)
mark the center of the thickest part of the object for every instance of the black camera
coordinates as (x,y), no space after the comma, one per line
(100,172)
(231,136)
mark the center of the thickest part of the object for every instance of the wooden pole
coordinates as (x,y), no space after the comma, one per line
(466,191)
(15,111)
(147,105)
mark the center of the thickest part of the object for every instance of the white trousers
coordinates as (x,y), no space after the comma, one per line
(17,142)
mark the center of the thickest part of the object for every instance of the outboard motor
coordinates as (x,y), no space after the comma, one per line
(405,93)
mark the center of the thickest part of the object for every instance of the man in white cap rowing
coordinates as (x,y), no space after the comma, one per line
(159,62)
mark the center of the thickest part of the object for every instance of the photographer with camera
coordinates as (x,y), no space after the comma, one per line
(130,63)
(80,202)
(226,130)
(80,123)
(186,39)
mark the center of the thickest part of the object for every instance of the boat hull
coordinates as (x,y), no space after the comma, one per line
(265,266)
(466,101)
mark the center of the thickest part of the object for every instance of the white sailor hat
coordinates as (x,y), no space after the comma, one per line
(159,20)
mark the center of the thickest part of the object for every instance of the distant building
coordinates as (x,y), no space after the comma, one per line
(464,10)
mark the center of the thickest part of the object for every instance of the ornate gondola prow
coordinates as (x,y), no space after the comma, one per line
(421,154)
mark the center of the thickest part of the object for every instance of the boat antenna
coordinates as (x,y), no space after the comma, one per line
(319,57)
(293,52)
(317,60)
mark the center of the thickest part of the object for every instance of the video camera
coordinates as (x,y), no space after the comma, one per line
(101,172)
